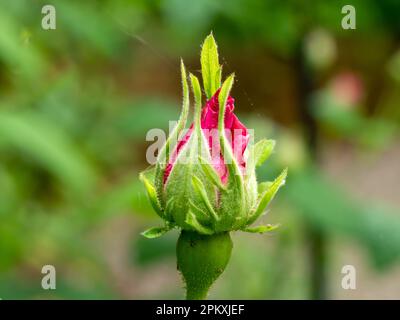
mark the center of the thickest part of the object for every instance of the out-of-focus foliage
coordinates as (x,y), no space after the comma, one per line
(76,104)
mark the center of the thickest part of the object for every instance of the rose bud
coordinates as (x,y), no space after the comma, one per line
(204,181)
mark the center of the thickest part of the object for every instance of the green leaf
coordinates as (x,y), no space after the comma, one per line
(262,229)
(39,139)
(267,196)
(155,232)
(210,68)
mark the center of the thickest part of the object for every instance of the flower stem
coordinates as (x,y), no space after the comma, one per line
(201,260)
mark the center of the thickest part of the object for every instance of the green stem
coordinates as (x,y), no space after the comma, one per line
(201,260)
(196,293)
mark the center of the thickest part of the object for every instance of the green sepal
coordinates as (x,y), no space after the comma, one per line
(168,207)
(198,212)
(267,196)
(258,154)
(178,184)
(210,68)
(164,153)
(263,186)
(156,232)
(197,98)
(146,178)
(231,163)
(233,202)
(262,151)
(218,77)
(192,221)
(211,173)
(261,229)
(199,188)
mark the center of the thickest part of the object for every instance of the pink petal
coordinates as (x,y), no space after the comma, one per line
(236,133)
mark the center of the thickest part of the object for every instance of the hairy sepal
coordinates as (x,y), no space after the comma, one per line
(170,144)
(188,195)
(266,197)
(232,201)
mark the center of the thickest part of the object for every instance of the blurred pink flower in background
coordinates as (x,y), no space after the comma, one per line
(347,88)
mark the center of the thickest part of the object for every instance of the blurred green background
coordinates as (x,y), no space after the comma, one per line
(76,104)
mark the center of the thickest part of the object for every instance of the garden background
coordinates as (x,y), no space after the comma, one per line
(76,104)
